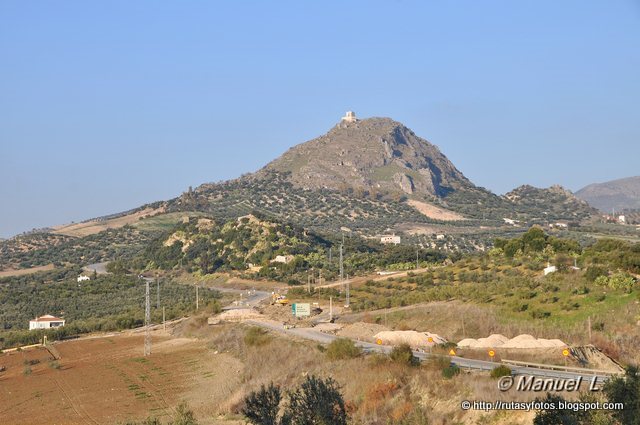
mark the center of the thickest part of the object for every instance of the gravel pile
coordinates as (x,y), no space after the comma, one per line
(520,341)
(413,338)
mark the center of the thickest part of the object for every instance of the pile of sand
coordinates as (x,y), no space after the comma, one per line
(361,331)
(492,341)
(234,315)
(520,341)
(413,338)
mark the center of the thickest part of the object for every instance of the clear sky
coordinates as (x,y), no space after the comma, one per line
(108,105)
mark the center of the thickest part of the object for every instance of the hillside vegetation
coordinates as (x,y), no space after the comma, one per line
(104,303)
(250,245)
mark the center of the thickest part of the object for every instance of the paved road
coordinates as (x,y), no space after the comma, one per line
(315,335)
(246,298)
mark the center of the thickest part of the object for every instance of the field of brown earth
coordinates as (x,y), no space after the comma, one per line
(96,226)
(20,272)
(106,380)
(434,212)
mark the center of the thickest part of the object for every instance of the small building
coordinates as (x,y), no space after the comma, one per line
(46,322)
(440,237)
(350,116)
(83,277)
(559,225)
(550,269)
(510,221)
(390,239)
(622,219)
(285,259)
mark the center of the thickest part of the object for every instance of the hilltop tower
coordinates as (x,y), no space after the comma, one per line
(350,116)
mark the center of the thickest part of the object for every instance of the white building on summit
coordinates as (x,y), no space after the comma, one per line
(350,116)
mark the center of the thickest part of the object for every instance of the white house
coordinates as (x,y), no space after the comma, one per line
(82,278)
(350,116)
(550,269)
(285,259)
(622,219)
(45,322)
(440,237)
(386,239)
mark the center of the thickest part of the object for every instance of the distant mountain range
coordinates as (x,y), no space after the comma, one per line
(621,194)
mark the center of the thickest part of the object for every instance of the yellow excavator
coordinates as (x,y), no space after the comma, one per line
(279,299)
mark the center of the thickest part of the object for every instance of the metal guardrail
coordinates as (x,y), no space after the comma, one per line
(560,368)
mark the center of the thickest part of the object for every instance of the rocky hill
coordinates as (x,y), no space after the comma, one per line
(542,205)
(372,155)
(622,194)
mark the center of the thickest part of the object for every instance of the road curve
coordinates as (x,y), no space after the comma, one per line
(464,363)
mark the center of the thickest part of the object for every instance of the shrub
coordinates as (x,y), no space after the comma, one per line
(404,355)
(500,371)
(255,337)
(316,401)
(261,407)
(450,371)
(594,272)
(27,370)
(343,348)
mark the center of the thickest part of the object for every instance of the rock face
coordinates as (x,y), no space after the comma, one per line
(616,194)
(374,154)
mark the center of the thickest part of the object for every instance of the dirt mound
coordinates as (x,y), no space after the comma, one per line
(492,341)
(361,331)
(523,341)
(234,315)
(590,356)
(413,338)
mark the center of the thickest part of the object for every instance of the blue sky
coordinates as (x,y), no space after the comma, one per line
(108,105)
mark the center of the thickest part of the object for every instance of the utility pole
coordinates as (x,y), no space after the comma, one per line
(308,283)
(330,308)
(197,299)
(147,320)
(341,263)
(329,255)
(347,293)
(417,258)
(157,293)
(164,323)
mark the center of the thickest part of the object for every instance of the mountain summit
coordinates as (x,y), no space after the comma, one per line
(373,154)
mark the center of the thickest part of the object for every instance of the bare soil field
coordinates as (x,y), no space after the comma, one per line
(20,272)
(95,226)
(434,212)
(107,380)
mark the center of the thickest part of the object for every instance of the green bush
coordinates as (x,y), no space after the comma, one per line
(450,371)
(255,337)
(343,348)
(500,371)
(404,355)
